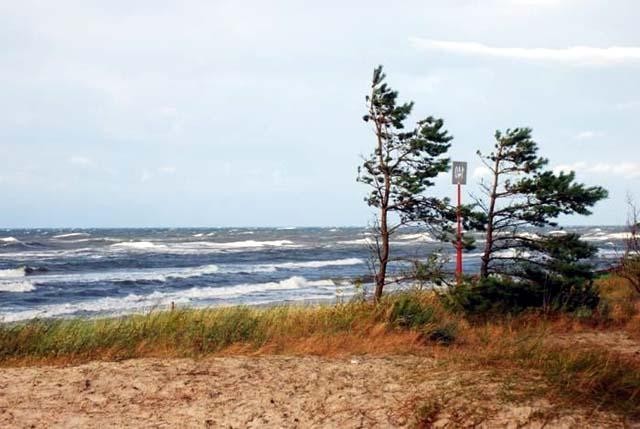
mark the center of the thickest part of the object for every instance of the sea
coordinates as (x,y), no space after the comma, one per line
(63,273)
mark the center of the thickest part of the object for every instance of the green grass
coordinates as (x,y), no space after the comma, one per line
(198,332)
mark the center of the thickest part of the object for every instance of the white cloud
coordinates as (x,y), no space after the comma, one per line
(588,135)
(480,172)
(574,55)
(82,161)
(628,170)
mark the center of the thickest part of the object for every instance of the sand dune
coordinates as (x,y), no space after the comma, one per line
(274,391)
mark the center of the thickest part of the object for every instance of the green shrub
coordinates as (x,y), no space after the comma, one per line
(504,295)
(408,312)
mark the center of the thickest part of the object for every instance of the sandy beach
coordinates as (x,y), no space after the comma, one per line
(277,391)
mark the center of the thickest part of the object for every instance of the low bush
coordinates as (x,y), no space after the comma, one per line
(506,295)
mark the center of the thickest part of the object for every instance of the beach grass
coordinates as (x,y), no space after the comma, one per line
(196,332)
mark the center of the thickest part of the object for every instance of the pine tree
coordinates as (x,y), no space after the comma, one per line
(520,194)
(400,169)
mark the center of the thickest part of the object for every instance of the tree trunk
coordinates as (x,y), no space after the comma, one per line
(381,275)
(488,245)
(383,251)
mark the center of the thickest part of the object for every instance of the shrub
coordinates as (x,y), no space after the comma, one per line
(505,295)
(409,312)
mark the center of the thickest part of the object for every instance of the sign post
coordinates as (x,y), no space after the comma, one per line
(459,178)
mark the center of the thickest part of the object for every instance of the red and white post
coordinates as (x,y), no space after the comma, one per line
(459,178)
(459,243)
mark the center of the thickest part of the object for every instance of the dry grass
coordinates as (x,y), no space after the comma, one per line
(399,325)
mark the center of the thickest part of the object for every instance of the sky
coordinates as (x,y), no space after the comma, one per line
(227,113)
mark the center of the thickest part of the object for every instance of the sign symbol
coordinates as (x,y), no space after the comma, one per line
(459,173)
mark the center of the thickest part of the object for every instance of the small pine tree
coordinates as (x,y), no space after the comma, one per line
(521,194)
(520,269)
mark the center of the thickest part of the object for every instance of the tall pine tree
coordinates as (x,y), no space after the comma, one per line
(400,169)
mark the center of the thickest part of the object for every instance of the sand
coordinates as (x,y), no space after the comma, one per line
(279,392)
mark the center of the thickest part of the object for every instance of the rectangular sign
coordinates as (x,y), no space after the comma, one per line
(459,171)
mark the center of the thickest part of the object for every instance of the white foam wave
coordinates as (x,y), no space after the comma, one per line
(558,232)
(72,234)
(16,286)
(147,274)
(601,236)
(418,237)
(244,244)
(358,241)
(200,246)
(135,302)
(12,273)
(12,280)
(8,241)
(139,245)
(513,253)
(317,264)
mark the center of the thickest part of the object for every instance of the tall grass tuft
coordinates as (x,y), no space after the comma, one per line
(198,332)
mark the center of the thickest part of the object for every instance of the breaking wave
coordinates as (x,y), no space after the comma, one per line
(13,280)
(166,274)
(72,235)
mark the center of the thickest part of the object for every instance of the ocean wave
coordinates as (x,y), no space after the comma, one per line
(316,264)
(602,236)
(72,235)
(558,232)
(49,254)
(138,245)
(12,273)
(133,302)
(244,244)
(139,275)
(10,241)
(420,237)
(16,286)
(358,241)
(173,273)
(12,280)
(199,246)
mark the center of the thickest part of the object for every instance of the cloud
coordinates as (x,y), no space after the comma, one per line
(628,170)
(82,161)
(588,135)
(574,55)
(480,172)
